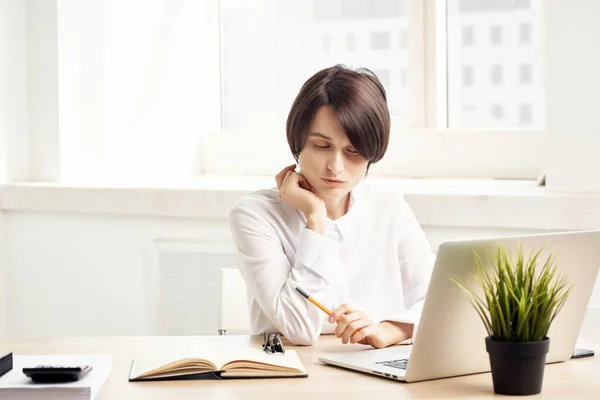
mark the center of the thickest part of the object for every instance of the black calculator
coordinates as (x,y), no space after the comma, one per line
(57,373)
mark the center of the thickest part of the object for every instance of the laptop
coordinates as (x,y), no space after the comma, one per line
(450,337)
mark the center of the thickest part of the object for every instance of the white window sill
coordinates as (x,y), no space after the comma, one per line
(463,203)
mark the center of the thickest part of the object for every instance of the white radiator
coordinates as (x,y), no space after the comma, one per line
(182,286)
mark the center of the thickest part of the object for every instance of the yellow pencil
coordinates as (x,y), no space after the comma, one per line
(316,303)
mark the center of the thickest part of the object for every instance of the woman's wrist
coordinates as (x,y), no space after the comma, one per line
(316,223)
(398,331)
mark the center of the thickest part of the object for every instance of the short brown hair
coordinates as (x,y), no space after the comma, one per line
(359,102)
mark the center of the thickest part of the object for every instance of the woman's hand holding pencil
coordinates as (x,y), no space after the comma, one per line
(354,326)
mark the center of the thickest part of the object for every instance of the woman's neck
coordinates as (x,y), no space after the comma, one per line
(337,207)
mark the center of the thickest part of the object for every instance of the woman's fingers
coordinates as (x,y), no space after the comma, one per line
(346,320)
(303,182)
(339,312)
(363,335)
(279,178)
(353,327)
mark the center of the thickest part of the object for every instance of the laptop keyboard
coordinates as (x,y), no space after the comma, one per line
(400,364)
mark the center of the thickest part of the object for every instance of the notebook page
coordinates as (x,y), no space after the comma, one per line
(167,358)
(232,357)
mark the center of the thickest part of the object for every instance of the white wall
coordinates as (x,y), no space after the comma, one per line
(84,274)
(71,274)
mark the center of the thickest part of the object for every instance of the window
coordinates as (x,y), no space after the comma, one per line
(497,112)
(308,30)
(496,35)
(496,74)
(403,77)
(403,39)
(350,42)
(384,76)
(133,97)
(326,42)
(525,74)
(207,86)
(525,33)
(380,40)
(508,58)
(468,75)
(525,114)
(467,35)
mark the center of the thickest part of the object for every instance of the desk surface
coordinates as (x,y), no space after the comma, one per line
(576,379)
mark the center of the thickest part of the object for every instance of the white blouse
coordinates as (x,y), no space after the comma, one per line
(375,258)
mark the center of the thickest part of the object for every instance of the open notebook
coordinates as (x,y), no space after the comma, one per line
(216,362)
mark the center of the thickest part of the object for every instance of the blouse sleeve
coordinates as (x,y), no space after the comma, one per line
(272,280)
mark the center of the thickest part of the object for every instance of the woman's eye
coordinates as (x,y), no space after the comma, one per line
(320,147)
(352,151)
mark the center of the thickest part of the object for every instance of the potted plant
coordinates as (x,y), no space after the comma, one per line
(519,301)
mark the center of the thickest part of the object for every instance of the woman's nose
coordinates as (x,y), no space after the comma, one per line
(336,164)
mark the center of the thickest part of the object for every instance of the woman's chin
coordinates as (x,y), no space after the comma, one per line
(330,193)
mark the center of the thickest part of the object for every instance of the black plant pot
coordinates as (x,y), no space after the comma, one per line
(517,368)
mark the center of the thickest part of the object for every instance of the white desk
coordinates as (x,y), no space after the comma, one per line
(576,379)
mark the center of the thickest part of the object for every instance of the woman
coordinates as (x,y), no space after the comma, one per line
(357,249)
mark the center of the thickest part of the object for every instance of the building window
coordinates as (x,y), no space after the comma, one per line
(403,39)
(525,114)
(467,35)
(384,76)
(525,33)
(326,43)
(496,35)
(525,74)
(496,74)
(403,77)
(497,111)
(350,42)
(468,75)
(380,40)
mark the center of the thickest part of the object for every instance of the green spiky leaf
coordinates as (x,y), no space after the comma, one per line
(519,301)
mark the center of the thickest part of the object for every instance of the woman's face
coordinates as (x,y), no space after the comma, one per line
(328,160)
